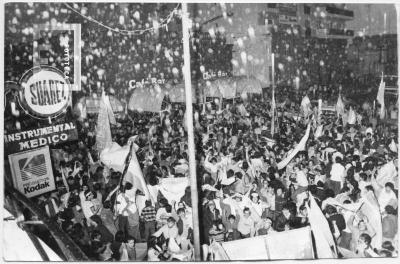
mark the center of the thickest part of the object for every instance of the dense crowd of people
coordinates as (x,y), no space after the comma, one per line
(242,191)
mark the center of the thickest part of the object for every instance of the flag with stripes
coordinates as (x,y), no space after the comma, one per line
(34,167)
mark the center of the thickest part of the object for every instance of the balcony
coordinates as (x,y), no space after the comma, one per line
(334,33)
(334,11)
(341,32)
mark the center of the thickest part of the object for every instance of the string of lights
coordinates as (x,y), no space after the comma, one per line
(164,22)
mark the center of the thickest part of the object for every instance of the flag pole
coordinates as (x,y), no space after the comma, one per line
(190,131)
(273,95)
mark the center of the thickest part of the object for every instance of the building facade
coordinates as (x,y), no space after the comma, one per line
(309,41)
(370,56)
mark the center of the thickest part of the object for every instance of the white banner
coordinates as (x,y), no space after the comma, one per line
(292,244)
(32,172)
(173,188)
(324,242)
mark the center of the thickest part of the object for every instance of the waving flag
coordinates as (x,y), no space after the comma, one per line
(114,157)
(298,148)
(103,131)
(352,118)
(306,106)
(380,97)
(370,209)
(324,242)
(339,106)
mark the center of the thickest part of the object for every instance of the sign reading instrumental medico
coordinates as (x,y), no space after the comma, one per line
(38,137)
(45,92)
(32,172)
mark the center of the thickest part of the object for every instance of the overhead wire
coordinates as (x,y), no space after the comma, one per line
(164,22)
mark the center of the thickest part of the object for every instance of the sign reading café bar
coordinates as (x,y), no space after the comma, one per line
(46,92)
(38,137)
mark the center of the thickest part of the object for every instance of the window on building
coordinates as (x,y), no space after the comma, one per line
(307,10)
(308,32)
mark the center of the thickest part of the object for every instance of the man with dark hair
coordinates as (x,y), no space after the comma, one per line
(149,217)
(106,235)
(335,220)
(338,173)
(246,225)
(107,217)
(364,248)
(387,197)
(169,231)
(389,223)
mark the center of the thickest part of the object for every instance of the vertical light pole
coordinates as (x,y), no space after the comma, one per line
(189,124)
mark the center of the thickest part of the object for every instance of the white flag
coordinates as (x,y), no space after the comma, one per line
(324,242)
(380,97)
(306,106)
(114,157)
(352,117)
(339,106)
(298,148)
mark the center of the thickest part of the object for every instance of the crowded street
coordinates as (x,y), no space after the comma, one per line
(207,132)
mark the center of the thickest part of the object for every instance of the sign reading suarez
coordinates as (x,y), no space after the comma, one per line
(45,92)
(32,172)
(38,137)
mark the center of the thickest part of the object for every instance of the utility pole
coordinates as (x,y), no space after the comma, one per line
(189,124)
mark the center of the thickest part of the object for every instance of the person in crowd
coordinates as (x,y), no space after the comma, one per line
(149,217)
(364,248)
(106,235)
(169,231)
(127,250)
(246,224)
(387,197)
(362,227)
(107,217)
(389,224)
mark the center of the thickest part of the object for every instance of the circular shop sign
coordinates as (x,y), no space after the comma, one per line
(45,92)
